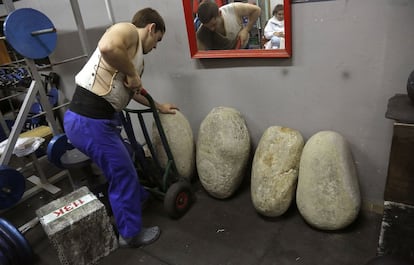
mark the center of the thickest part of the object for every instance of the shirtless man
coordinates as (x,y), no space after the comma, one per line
(222,28)
(105,86)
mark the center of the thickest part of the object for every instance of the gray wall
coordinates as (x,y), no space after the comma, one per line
(349,58)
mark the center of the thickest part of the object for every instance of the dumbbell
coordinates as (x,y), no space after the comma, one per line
(63,155)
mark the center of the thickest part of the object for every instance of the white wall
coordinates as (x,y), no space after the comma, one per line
(349,58)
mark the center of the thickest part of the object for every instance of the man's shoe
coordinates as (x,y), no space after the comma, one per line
(145,237)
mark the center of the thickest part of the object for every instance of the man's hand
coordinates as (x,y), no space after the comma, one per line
(244,36)
(167,108)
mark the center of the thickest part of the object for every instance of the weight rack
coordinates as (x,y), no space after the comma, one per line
(40,181)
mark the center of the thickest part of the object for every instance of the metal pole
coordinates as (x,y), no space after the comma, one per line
(4,125)
(81,27)
(18,124)
(43,31)
(8,4)
(44,101)
(110,11)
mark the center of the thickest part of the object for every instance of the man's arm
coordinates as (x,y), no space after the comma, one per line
(203,37)
(252,12)
(209,40)
(200,45)
(166,108)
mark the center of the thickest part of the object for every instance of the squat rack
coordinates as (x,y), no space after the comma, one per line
(36,88)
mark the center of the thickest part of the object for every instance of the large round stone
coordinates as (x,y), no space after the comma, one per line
(328,195)
(275,170)
(180,139)
(223,148)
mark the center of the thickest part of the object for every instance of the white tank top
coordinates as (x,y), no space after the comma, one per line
(117,94)
(232,23)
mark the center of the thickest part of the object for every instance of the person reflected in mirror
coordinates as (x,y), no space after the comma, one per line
(105,85)
(223,28)
(274,30)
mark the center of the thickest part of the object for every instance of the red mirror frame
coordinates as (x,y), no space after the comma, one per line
(242,53)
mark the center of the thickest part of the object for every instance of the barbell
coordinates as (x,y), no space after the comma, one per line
(30,32)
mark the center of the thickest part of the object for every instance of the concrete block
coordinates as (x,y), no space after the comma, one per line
(79,228)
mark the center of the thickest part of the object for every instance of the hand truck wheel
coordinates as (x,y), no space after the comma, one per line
(178,199)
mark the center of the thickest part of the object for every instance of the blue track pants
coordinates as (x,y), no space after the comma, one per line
(101,140)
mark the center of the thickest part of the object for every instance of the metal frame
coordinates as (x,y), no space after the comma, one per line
(35,88)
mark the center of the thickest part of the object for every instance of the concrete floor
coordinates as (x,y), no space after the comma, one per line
(215,232)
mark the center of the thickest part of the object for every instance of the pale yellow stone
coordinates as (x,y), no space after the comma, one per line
(328,195)
(275,170)
(223,148)
(180,139)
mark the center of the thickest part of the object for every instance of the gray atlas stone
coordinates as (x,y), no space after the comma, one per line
(275,170)
(328,195)
(223,148)
(180,139)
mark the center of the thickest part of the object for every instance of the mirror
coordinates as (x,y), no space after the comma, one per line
(256,47)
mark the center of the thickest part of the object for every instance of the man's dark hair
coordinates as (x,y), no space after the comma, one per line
(147,16)
(206,11)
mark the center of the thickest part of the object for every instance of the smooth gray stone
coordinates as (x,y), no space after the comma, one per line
(223,149)
(328,195)
(180,139)
(275,170)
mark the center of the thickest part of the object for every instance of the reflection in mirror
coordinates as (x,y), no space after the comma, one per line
(274,28)
(249,28)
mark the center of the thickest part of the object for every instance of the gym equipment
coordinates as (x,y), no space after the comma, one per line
(12,186)
(64,155)
(56,148)
(35,116)
(410,86)
(165,182)
(79,166)
(14,248)
(30,33)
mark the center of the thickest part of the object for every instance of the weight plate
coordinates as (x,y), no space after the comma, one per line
(18,28)
(12,187)
(56,148)
(6,251)
(23,249)
(3,258)
(12,246)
